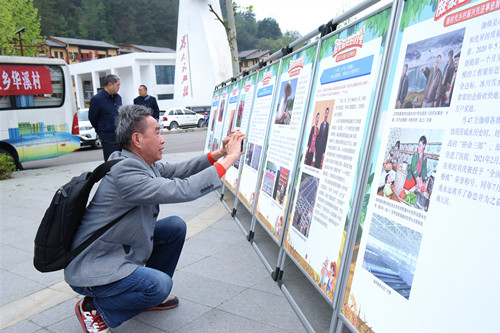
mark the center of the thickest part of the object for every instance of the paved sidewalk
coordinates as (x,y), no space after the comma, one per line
(222,284)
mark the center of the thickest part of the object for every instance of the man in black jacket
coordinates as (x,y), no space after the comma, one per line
(103,111)
(148,101)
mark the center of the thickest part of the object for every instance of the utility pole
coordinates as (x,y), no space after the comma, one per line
(231,33)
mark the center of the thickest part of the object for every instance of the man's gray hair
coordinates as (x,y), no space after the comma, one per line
(131,119)
(111,78)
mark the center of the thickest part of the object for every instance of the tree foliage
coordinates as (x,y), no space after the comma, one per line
(265,34)
(14,15)
(269,28)
(143,22)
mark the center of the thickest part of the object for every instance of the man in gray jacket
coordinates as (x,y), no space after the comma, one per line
(129,269)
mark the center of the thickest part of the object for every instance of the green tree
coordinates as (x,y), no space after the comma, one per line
(268,28)
(290,36)
(92,20)
(14,15)
(246,30)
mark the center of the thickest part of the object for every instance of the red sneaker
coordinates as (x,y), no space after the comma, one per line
(91,321)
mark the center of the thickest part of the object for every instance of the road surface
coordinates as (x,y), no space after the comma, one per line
(175,142)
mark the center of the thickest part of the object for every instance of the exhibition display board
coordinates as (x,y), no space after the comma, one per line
(232,102)
(287,116)
(241,120)
(342,100)
(214,107)
(425,261)
(256,135)
(217,123)
(372,159)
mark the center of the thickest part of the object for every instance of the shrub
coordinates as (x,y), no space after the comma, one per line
(7,166)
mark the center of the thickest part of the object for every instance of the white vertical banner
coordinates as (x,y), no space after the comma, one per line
(203,58)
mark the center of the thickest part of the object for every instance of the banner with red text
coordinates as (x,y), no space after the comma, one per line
(24,80)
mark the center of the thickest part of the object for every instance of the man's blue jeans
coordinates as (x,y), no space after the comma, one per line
(146,286)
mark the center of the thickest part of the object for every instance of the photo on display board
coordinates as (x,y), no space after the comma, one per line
(231,122)
(391,254)
(269,178)
(221,110)
(236,164)
(241,109)
(284,110)
(215,144)
(318,134)
(280,185)
(256,157)
(253,155)
(209,141)
(306,199)
(409,166)
(429,71)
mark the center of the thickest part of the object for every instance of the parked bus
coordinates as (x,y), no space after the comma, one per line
(38,117)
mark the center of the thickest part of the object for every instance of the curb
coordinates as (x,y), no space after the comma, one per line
(184,130)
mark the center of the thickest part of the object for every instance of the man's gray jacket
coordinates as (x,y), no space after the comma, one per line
(132,185)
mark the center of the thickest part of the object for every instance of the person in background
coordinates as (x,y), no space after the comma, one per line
(448,72)
(129,269)
(403,88)
(432,88)
(311,143)
(321,141)
(417,173)
(148,101)
(449,93)
(282,110)
(395,155)
(103,111)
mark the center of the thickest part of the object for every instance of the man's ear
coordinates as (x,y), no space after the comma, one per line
(136,139)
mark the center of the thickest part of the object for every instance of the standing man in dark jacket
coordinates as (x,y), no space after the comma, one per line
(148,101)
(103,112)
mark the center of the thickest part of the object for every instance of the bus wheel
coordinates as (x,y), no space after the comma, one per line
(14,158)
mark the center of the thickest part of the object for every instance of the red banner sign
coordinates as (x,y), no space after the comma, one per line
(24,80)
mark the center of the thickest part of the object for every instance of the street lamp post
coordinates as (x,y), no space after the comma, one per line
(19,31)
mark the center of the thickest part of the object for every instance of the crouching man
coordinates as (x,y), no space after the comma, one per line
(129,269)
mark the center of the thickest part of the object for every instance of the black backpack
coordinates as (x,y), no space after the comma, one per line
(61,220)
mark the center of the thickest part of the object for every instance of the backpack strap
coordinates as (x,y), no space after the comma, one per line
(103,169)
(97,175)
(95,236)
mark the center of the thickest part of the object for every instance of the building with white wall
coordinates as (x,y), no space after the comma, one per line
(154,70)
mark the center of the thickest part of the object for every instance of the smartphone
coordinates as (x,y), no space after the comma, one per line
(242,145)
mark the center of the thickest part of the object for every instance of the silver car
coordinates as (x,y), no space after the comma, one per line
(88,136)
